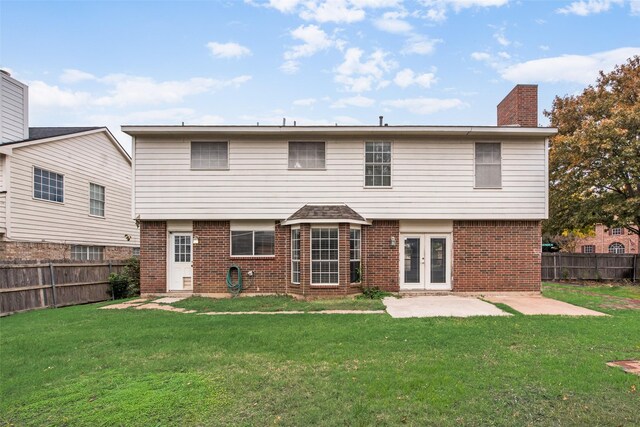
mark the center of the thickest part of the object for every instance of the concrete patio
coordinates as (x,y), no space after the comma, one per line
(440,306)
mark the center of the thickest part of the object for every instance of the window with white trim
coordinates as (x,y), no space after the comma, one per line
(252,243)
(588,249)
(96,199)
(87,253)
(209,155)
(377,164)
(48,185)
(295,255)
(617,231)
(488,160)
(616,248)
(324,256)
(355,238)
(306,155)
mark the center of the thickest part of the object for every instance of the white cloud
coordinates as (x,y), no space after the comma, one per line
(436,10)
(314,40)
(284,6)
(420,45)
(408,77)
(339,11)
(481,56)
(635,7)
(74,76)
(392,22)
(501,38)
(581,69)
(589,7)
(543,47)
(305,102)
(43,95)
(424,106)
(355,101)
(359,76)
(228,50)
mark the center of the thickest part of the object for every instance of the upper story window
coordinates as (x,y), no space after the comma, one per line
(617,231)
(616,248)
(209,155)
(48,185)
(96,199)
(377,164)
(306,155)
(488,160)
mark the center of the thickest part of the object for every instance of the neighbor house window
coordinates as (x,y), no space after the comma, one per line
(616,248)
(48,185)
(377,164)
(488,165)
(252,243)
(588,249)
(96,199)
(324,256)
(209,155)
(295,255)
(354,255)
(87,253)
(616,231)
(306,155)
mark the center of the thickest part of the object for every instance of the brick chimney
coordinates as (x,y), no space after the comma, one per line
(520,107)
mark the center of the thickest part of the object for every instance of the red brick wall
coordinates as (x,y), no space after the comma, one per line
(496,256)
(380,260)
(604,238)
(212,259)
(54,252)
(519,107)
(153,257)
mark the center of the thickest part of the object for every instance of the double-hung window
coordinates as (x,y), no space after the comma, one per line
(324,256)
(96,200)
(588,249)
(355,239)
(48,185)
(209,155)
(616,231)
(488,160)
(377,164)
(252,239)
(295,255)
(306,155)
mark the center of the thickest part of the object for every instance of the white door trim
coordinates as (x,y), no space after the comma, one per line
(180,274)
(425,261)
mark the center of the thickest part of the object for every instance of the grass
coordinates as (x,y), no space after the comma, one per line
(606,298)
(277,303)
(83,366)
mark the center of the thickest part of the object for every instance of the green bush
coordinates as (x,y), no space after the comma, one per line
(127,283)
(373,292)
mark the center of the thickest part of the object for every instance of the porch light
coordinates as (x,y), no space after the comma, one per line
(393,243)
(195,240)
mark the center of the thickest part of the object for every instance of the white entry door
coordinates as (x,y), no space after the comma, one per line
(180,264)
(425,262)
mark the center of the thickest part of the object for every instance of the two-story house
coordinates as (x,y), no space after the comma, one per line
(65,192)
(324,210)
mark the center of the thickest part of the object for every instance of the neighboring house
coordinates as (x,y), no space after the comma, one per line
(65,193)
(616,240)
(324,210)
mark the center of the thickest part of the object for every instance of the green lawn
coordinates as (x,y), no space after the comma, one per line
(277,303)
(83,366)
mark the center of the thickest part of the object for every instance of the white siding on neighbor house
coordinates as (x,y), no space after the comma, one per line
(13,113)
(431,179)
(81,159)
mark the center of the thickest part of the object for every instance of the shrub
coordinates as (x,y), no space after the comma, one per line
(127,283)
(373,292)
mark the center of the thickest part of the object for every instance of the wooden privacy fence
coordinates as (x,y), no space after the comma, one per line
(567,266)
(30,286)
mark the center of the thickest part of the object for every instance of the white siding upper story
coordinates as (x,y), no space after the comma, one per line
(13,110)
(432,178)
(3,196)
(82,159)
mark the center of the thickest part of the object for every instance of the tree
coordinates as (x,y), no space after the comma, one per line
(594,160)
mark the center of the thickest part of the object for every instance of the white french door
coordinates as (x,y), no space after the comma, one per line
(425,262)
(180,262)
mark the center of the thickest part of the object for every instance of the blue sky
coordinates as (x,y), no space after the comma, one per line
(426,62)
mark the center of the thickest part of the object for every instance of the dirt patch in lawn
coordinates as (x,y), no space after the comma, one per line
(630,366)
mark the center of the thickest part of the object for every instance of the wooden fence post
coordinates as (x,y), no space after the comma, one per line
(53,285)
(597,272)
(555,266)
(113,297)
(635,267)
